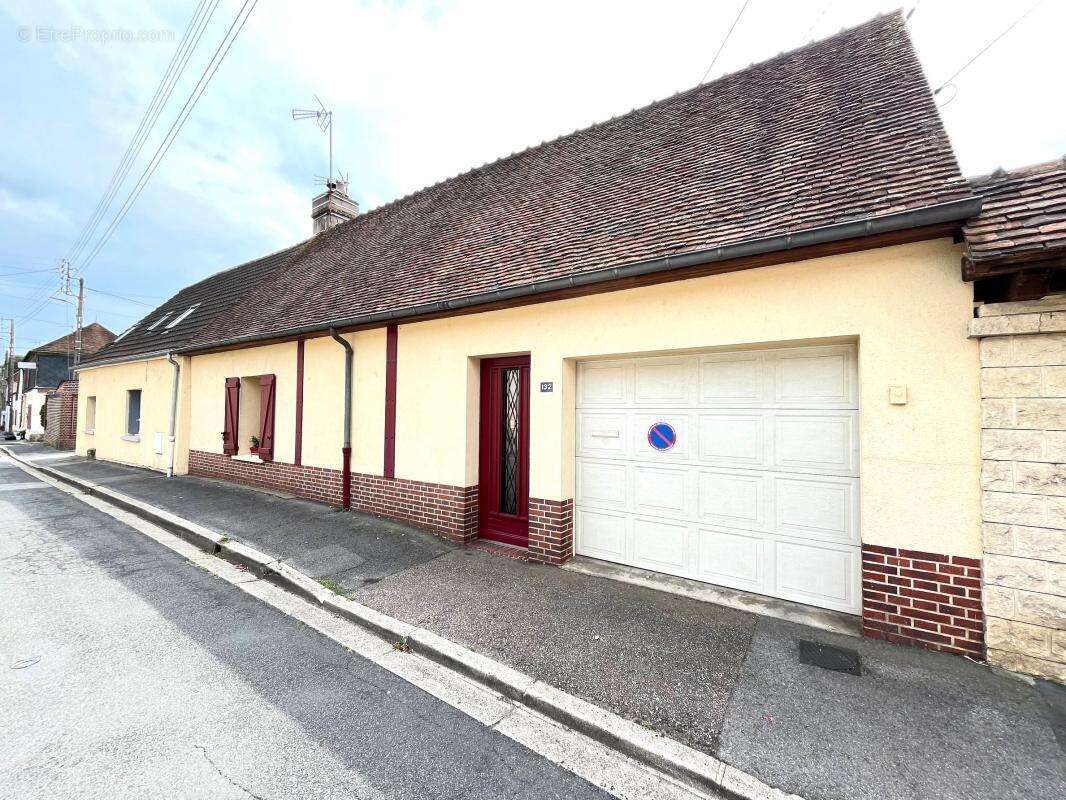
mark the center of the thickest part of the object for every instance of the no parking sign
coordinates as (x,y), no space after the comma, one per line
(662,436)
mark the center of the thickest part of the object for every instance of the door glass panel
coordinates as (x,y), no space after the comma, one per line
(511,383)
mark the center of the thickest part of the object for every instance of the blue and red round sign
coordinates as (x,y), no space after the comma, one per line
(662,436)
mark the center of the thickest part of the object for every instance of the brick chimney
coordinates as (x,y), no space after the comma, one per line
(333,206)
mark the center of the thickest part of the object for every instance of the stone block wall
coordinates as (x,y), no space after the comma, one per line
(1023,444)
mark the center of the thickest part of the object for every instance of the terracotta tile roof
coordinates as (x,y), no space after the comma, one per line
(93,338)
(838,130)
(213,298)
(1023,217)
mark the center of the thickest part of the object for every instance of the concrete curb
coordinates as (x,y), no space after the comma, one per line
(666,755)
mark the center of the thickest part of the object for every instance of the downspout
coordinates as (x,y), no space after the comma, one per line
(346,451)
(173,413)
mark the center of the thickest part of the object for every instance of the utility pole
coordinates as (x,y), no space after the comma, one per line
(77,330)
(9,388)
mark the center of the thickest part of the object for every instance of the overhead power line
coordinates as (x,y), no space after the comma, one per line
(988,46)
(121,297)
(209,72)
(721,47)
(189,40)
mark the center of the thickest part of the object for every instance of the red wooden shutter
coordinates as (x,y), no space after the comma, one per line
(266,418)
(233,409)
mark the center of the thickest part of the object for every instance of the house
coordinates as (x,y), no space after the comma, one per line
(724,337)
(53,363)
(1016,248)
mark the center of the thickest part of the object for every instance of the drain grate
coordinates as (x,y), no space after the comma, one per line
(837,659)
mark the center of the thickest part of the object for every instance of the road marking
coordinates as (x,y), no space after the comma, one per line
(598,764)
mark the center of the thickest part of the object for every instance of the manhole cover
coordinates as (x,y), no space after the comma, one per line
(826,656)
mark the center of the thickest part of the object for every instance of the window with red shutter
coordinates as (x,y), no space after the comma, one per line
(266,417)
(233,409)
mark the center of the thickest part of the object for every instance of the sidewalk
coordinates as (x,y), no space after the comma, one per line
(914,724)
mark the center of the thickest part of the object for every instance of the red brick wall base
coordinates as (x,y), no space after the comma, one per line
(551,530)
(921,599)
(448,511)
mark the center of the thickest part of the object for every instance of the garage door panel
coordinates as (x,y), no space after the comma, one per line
(814,376)
(660,545)
(733,439)
(601,434)
(665,382)
(601,534)
(817,574)
(730,559)
(759,491)
(642,449)
(734,499)
(603,384)
(817,508)
(822,442)
(731,379)
(660,491)
(602,484)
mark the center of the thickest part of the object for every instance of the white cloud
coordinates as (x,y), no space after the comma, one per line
(425,90)
(30,210)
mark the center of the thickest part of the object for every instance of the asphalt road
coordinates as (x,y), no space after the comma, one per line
(126,671)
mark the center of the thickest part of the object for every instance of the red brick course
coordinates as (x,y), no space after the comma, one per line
(551,530)
(448,511)
(921,599)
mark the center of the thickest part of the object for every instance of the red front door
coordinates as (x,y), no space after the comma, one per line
(503,491)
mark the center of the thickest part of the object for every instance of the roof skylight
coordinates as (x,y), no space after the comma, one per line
(182,315)
(124,333)
(158,322)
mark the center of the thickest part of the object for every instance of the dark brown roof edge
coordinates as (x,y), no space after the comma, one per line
(952,211)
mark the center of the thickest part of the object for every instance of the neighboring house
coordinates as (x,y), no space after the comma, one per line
(53,364)
(723,337)
(1019,242)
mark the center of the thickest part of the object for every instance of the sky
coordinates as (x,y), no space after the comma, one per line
(420,91)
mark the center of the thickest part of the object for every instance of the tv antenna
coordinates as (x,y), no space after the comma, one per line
(323,117)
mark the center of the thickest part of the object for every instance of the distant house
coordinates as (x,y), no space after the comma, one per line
(53,363)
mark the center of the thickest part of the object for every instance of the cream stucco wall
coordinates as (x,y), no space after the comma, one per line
(906,306)
(208,396)
(109,384)
(323,419)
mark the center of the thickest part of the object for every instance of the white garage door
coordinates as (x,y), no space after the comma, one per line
(758,491)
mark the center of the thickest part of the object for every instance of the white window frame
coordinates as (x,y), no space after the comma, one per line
(182,315)
(90,414)
(131,436)
(157,323)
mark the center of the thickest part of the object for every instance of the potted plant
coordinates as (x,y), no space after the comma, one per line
(254,449)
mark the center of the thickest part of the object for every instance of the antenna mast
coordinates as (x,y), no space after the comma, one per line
(323,117)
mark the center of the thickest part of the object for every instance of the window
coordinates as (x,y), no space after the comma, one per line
(182,316)
(133,412)
(124,333)
(157,323)
(248,426)
(90,414)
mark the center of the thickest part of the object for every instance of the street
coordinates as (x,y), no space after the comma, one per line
(128,671)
